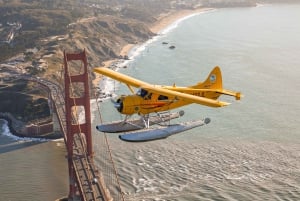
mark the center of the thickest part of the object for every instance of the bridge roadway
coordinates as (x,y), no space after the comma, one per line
(90,182)
(91,185)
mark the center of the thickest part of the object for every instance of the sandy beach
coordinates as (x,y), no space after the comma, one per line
(124,52)
(168,18)
(162,22)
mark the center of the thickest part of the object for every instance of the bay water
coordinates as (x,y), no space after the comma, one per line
(31,169)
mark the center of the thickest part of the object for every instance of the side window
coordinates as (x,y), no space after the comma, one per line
(162,97)
(148,97)
(142,93)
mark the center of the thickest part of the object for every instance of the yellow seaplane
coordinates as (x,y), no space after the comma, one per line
(154,102)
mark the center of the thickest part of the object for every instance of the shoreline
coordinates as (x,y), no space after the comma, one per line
(162,23)
(169,18)
(106,64)
(13,133)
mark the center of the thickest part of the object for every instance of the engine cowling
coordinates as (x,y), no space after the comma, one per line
(128,104)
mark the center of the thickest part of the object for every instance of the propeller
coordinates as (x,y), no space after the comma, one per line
(117,104)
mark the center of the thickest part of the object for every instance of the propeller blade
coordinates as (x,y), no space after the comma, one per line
(115,103)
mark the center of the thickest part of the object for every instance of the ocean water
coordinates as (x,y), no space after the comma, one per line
(250,150)
(31,169)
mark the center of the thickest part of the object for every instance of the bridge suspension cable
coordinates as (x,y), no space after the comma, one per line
(114,174)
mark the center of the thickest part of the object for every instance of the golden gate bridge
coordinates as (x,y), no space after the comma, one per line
(87,180)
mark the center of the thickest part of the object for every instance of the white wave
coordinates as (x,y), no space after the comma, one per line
(177,22)
(139,49)
(259,5)
(145,184)
(7,133)
(107,86)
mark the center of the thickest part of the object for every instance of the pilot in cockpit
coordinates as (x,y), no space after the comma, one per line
(144,93)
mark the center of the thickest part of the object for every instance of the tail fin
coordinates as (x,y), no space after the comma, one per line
(212,87)
(213,81)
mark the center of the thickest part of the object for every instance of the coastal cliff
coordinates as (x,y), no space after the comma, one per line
(25,106)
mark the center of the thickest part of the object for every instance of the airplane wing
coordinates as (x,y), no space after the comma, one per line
(120,77)
(158,89)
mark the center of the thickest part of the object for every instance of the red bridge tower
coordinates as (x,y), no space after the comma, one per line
(74,127)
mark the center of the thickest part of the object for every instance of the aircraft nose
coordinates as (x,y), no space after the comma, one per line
(118,104)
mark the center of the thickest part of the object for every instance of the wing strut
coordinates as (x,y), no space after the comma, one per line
(130,88)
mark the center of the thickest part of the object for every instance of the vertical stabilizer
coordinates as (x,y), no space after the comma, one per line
(213,81)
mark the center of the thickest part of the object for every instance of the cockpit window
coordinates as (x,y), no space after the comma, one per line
(162,97)
(142,92)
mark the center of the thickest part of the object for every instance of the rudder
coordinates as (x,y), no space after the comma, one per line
(213,81)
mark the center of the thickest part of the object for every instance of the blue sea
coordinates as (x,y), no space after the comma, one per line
(249,151)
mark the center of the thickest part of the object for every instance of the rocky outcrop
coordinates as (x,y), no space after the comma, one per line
(41,129)
(24,106)
(26,100)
